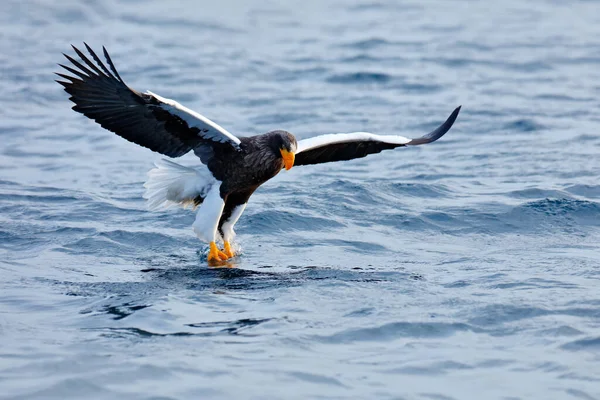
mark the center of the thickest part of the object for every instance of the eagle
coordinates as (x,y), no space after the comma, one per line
(231,168)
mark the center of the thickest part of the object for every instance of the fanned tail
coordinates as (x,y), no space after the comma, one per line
(171,184)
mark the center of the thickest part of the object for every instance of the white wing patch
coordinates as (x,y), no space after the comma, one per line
(193,119)
(334,138)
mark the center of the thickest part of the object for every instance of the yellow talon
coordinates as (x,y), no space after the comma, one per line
(215,255)
(228,250)
(223,256)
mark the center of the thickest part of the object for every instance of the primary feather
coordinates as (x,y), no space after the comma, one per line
(147,119)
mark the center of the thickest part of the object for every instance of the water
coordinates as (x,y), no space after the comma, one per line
(465,269)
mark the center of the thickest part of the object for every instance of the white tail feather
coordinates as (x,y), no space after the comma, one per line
(171,184)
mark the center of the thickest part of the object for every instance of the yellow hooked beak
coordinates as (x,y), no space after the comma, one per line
(288,158)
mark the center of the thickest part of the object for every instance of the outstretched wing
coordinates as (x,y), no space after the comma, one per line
(147,119)
(347,146)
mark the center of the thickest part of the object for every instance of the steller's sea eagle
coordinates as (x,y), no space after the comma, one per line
(232,168)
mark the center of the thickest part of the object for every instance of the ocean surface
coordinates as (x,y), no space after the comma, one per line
(464,269)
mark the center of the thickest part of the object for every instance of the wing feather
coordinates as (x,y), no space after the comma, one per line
(147,119)
(348,146)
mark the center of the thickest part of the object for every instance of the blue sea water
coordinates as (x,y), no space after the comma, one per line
(464,269)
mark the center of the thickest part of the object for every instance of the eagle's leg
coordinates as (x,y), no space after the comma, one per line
(234,207)
(207,221)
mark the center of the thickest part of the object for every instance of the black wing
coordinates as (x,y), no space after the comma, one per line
(348,146)
(149,120)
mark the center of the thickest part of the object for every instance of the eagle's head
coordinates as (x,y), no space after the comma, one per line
(284,145)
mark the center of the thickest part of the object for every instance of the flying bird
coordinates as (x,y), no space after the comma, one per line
(231,168)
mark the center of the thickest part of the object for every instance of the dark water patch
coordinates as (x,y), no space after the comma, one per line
(537,193)
(486,112)
(445,221)
(201,278)
(112,294)
(433,176)
(177,23)
(559,98)
(588,344)
(580,394)
(457,284)
(304,74)
(489,223)
(124,333)
(464,62)
(494,363)
(242,323)
(590,191)
(281,118)
(122,311)
(315,379)
(438,368)
(560,216)
(530,284)
(417,88)
(369,44)
(240,327)
(113,243)
(63,207)
(473,45)
(579,377)
(64,388)
(560,331)
(360,312)
(417,190)
(499,314)
(532,66)
(523,125)
(439,27)
(534,283)
(580,60)
(141,239)
(120,300)
(367,6)
(552,283)
(41,199)
(458,62)
(557,214)
(25,244)
(14,151)
(356,246)
(404,222)
(436,396)
(356,192)
(10,184)
(360,78)
(350,273)
(382,6)
(371,59)
(74,13)
(397,330)
(263,222)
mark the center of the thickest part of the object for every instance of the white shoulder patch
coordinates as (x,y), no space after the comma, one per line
(193,119)
(335,138)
